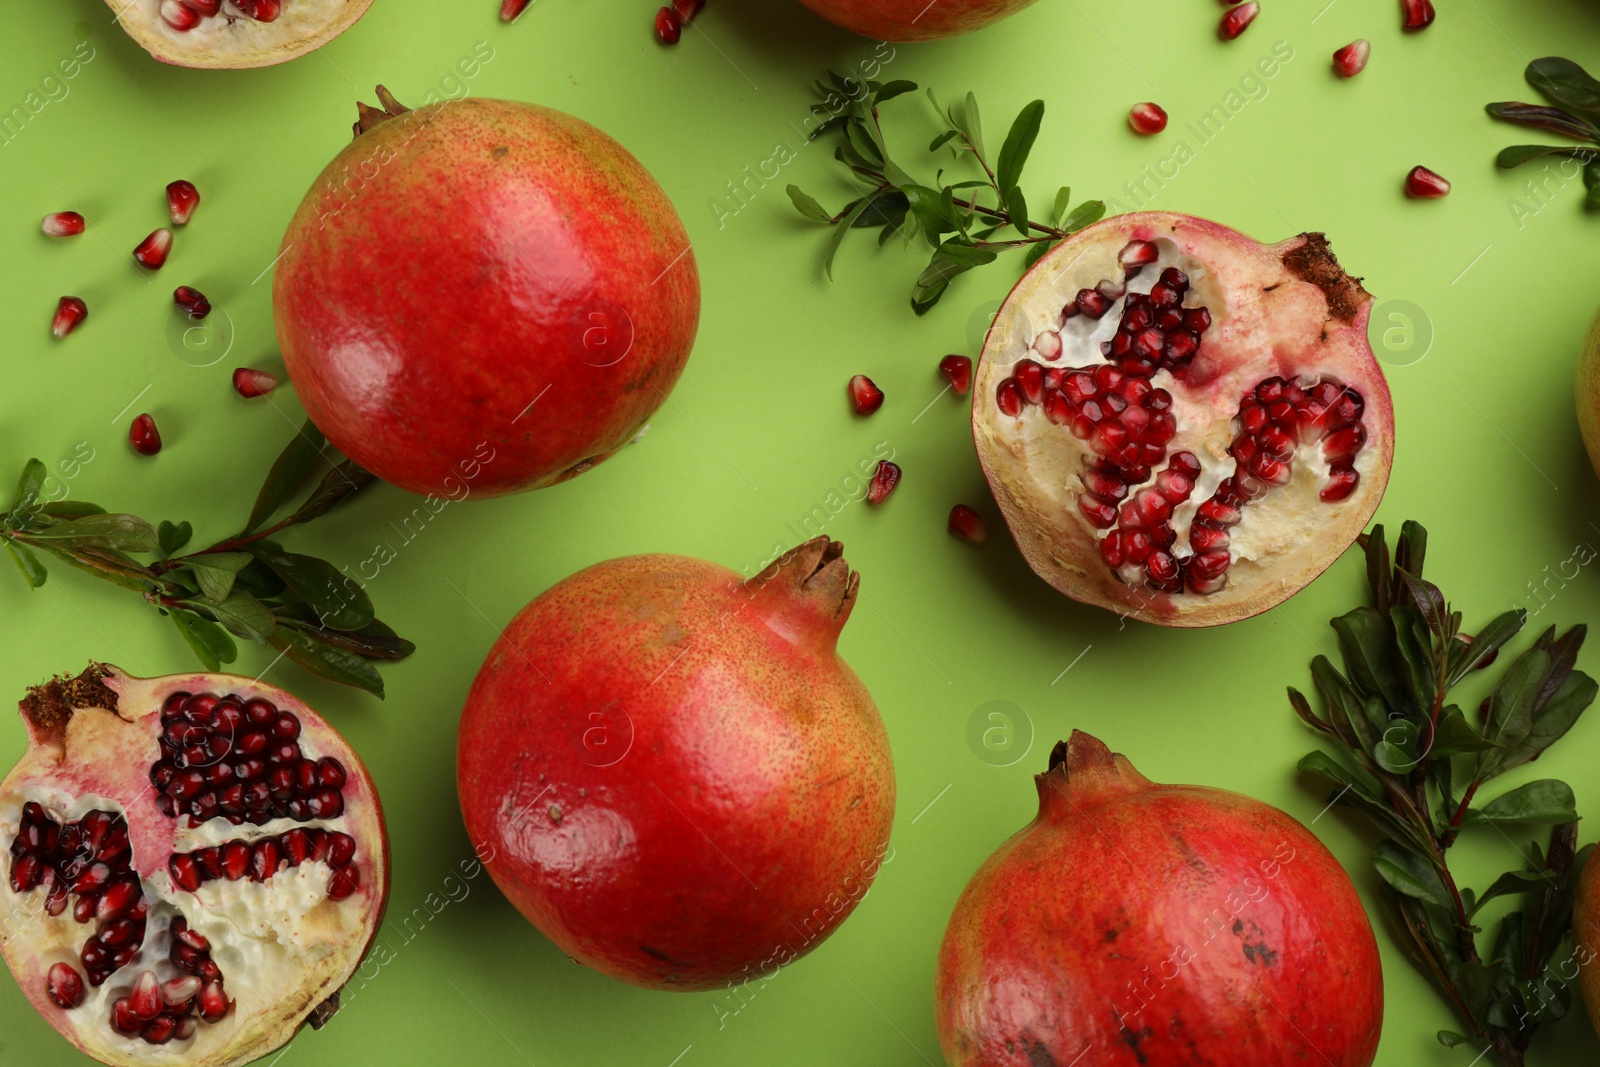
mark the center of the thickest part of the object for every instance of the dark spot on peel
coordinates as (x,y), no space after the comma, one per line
(499,151)
(1039,1056)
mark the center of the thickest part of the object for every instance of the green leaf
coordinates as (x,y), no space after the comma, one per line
(1511,703)
(808,206)
(329,662)
(1450,1039)
(1059,212)
(1455,736)
(215,571)
(1039,250)
(339,602)
(120,533)
(886,208)
(1410,874)
(943,139)
(27,563)
(171,538)
(950,260)
(890,90)
(28,487)
(210,642)
(837,237)
(1508,883)
(1544,801)
(1564,82)
(972,126)
(865,143)
(1085,214)
(245,616)
(1367,645)
(70,509)
(933,213)
(1017,207)
(288,471)
(1464,656)
(1019,142)
(1517,155)
(1550,119)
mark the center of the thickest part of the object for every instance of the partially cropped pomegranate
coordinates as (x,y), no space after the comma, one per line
(1586,936)
(234,33)
(196,862)
(671,772)
(483,294)
(1157,926)
(1588,393)
(914,20)
(1180,424)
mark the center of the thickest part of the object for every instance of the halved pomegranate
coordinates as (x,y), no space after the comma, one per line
(234,33)
(196,861)
(1180,424)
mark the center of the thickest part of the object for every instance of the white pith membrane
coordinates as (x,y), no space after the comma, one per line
(254,956)
(187,33)
(1301,323)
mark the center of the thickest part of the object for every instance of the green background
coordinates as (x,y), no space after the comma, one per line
(1489,304)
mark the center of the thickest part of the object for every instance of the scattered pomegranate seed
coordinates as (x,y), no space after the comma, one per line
(968,525)
(686,10)
(1238,19)
(1352,58)
(957,370)
(1147,119)
(884,479)
(865,396)
(182,199)
(153,250)
(668,28)
(249,382)
(144,437)
(510,9)
(65,985)
(192,301)
(179,16)
(1416,14)
(62,224)
(1424,184)
(70,313)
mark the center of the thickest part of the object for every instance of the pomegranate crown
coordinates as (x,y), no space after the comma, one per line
(809,589)
(1084,766)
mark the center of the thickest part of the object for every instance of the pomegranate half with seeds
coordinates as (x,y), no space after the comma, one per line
(1180,424)
(914,20)
(196,865)
(482,296)
(231,34)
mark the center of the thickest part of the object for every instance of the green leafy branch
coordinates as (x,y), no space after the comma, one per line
(965,223)
(1403,749)
(247,586)
(1576,115)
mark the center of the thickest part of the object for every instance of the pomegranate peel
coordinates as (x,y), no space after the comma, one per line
(234,34)
(1164,925)
(670,772)
(1180,424)
(120,959)
(905,21)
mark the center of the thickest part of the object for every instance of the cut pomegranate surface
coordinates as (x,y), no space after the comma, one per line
(1181,424)
(196,862)
(234,33)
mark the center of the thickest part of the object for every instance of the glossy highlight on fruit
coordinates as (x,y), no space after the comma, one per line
(483,296)
(1180,424)
(1152,925)
(229,34)
(669,770)
(914,20)
(194,865)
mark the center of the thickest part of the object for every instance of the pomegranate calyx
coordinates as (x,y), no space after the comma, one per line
(1084,766)
(371,116)
(808,592)
(49,706)
(1314,262)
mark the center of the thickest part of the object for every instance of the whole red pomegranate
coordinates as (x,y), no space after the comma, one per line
(1158,926)
(914,20)
(234,33)
(671,772)
(1586,936)
(483,296)
(197,862)
(1180,424)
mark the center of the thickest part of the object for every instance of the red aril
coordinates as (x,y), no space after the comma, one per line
(250,383)
(668,27)
(1424,184)
(1237,20)
(1211,431)
(182,199)
(670,771)
(244,33)
(71,311)
(865,396)
(957,370)
(125,931)
(152,252)
(1416,14)
(143,435)
(1147,119)
(884,480)
(191,302)
(686,10)
(1163,925)
(585,297)
(510,9)
(1352,58)
(62,224)
(914,20)
(968,525)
